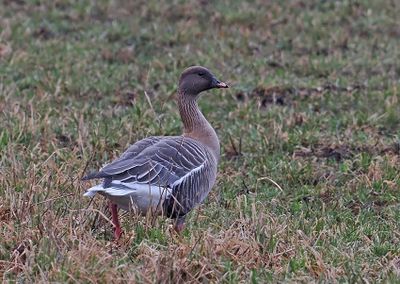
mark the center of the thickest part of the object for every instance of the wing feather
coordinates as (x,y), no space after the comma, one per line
(180,163)
(163,161)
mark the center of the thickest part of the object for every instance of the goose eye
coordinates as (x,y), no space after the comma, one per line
(201,74)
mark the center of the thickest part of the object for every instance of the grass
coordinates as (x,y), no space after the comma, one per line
(308,185)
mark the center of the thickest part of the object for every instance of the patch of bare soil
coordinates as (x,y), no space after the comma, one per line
(65,140)
(338,152)
(5,214)
(284,96)
(16,2)
(342,152)
(43,33)
(123,55)
(124,98)
(355,206)
(267,96)
(374,204)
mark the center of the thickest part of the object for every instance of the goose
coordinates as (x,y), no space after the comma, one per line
(166,175)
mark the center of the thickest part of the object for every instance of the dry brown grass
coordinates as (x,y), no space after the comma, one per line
(308,182)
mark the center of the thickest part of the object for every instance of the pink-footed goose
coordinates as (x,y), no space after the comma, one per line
(168,175)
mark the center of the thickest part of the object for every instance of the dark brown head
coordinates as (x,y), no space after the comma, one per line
(197,79)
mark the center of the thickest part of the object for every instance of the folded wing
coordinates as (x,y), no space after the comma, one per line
(178,163)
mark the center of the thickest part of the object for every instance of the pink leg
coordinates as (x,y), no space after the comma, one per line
(115,220)
(179,225)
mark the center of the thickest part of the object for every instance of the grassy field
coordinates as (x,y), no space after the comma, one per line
(308,185)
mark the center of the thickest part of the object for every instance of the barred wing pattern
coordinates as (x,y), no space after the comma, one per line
(123,163)
(181,165)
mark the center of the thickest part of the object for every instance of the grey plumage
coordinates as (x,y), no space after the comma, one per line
(167,175)
(178,163)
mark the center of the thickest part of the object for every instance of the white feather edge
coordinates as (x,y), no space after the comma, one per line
(199,168)
(135,188)
(132,188)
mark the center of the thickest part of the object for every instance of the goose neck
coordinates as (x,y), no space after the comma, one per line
(195,125)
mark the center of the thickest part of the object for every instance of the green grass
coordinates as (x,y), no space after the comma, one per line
(308,184)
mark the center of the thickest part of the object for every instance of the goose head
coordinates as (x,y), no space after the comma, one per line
(197,79)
